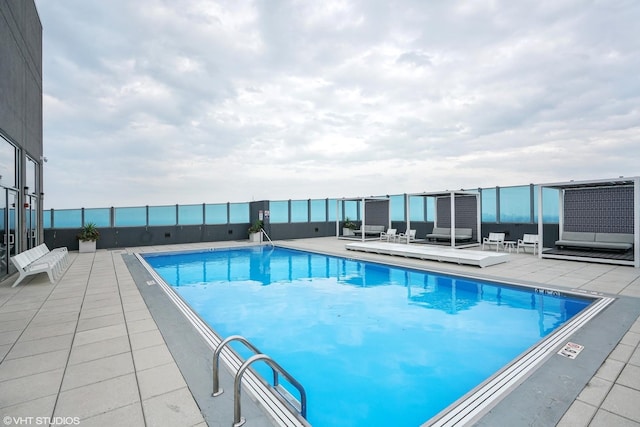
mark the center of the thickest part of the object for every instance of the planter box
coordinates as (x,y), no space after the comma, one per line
(255,237)
(347,232)
(86,246)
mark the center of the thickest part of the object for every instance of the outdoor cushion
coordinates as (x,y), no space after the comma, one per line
(463,233)
(621,241)
(445,233)
(582,236)
(614,237)
(370,229)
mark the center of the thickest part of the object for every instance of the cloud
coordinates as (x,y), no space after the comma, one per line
(153,102)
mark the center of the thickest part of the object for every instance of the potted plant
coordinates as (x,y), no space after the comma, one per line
(348,227)
(87,238)
(255,231)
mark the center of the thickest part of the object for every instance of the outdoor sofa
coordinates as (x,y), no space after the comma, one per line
(590,240)
(370,230)
(442,233)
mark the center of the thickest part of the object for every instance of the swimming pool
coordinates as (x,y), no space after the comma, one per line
(372,344)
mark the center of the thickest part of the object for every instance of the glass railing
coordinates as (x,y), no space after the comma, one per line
(142,216)
(507,205)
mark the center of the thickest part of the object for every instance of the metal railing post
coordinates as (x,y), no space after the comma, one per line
(238,420)
(217,391)
(264,233)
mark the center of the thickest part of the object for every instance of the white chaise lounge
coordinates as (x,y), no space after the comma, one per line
(40,260)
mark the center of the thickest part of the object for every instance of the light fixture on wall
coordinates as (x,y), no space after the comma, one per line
(26,189)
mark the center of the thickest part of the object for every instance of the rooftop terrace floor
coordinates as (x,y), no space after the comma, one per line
(89,347)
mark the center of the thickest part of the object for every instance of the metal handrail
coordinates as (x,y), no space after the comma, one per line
(238,420)
(217,391)
(268,238)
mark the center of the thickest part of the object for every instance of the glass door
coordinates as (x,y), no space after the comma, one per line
(32,223)
(4,252)
(8,227)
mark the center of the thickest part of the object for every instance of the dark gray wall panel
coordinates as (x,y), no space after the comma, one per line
(376,212)
(21,74)
(599,210)
(466,212)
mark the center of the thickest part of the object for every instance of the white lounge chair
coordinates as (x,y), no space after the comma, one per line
(408,236)
(28,267)
(496,239)
(528,241)
(390,235)
(40,260)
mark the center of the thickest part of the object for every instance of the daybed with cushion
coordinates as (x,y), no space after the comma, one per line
(590,240)
(370,230)
(441,233)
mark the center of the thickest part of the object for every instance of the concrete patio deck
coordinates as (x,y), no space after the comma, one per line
(87,350)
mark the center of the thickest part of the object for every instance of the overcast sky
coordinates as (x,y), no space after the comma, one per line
(191,101)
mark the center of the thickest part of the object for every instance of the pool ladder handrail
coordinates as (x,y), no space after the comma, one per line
(268,238)
(238,420)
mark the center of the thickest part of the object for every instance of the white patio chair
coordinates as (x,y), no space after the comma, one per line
(408,236)
(496,239)
(27,267)
(390,235)
(528,241)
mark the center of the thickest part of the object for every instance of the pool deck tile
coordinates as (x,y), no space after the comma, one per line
(595,391)
(579,414)
(67,350)
(150,357)
(159,380)
(623,401)
(88,346)
(95,371)
(635,357)
(99,397)
(174,408)
(130,415)
(607,419)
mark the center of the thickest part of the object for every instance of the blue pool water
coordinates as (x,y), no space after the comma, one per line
(373,345)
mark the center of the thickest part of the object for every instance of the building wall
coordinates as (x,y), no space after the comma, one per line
(21,75)
(123,237)
(20,128)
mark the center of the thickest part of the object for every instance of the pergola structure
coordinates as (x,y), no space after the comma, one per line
(376,210)
(453,210)
(606,205)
